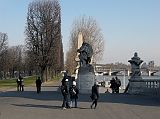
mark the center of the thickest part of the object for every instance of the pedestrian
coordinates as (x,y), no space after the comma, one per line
(18,84)
(118,84)
(38,85)
(65,93)
(95,95)
(21,83)
(113,85)
(73,90)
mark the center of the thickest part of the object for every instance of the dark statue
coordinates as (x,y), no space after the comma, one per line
(135,66)
(85,55)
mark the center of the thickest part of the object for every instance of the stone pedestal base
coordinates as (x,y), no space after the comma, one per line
(85,82)
(136,86)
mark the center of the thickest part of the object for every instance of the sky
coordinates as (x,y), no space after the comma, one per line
(127,26)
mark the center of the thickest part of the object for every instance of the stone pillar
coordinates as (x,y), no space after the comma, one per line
(80,41)
(128,72)
(110,72)
(149,73)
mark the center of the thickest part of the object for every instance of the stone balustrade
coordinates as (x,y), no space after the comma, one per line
(146,86)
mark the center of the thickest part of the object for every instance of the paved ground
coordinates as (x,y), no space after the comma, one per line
(47,105)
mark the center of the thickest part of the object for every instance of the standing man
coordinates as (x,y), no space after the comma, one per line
(65,93)
(95,95)
(73,90)
(38,85)
(118,84)
(18,84)
(21,83)
(113,85)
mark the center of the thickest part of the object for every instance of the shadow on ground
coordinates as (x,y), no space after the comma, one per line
(38,106)
(108,98)
(44,106)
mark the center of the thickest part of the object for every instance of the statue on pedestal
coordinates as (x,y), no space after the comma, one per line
(135,66)
(85,56)
(85,77)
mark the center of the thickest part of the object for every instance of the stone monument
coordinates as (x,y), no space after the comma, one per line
(135,83)
(135,66)
(85,76)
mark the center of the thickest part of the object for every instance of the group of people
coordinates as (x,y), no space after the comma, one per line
(73,92)
(115,84)
(20,84)
(67,91)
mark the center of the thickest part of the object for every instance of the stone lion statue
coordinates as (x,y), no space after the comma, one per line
(85,55)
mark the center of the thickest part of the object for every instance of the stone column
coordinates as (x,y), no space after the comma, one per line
(80,41)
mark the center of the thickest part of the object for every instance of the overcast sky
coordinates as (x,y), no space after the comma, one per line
(128,26)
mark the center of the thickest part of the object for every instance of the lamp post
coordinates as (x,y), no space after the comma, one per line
(124,79)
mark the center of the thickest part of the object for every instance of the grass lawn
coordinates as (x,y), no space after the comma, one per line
(28,81)
(12,82)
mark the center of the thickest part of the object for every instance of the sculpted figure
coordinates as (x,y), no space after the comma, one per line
(85,55)
(135,65)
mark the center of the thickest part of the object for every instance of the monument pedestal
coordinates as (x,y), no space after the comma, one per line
(136,86)
(85,80)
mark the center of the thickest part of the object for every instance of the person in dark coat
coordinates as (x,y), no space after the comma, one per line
(95,95)
(21,83)
(38,85)
(118,84)
(113,85)
(73,90)
(65,93)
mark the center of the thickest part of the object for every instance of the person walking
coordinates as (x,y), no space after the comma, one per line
(95,95)
(38,85)
(65,93)
(73,90)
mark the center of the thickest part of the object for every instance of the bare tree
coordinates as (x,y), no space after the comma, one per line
(3,42)
(43,31)
(14,58)
(91,33)
(3,49)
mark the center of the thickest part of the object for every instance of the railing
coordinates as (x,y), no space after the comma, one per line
(147,86)
(152,86)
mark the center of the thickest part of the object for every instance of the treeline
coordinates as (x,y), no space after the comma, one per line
(12,59)
(43,53)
